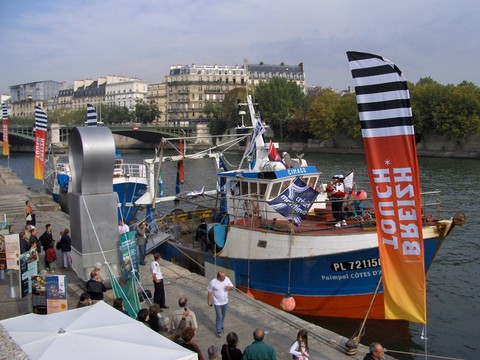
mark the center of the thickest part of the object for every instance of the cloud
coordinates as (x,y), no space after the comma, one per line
(68,40)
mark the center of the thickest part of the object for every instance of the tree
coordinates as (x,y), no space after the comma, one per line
(225,114)
(322,114)
(68,116)
(146,113)
(278,99)
(114,114)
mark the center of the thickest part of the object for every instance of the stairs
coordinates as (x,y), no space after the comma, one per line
(13,195)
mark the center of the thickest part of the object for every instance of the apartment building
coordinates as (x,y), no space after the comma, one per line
(258,73)
(158,93)
(24,97)
(190,87)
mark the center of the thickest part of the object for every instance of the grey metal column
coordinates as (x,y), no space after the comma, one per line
(92,202)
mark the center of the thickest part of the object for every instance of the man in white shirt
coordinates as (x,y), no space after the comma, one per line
(218,290)
(123,228)
(157,276)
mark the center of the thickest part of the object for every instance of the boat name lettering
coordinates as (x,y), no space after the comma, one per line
(355,265)
(295,171)
(354,275)
(399,222)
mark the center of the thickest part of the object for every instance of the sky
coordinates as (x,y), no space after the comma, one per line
(68,40)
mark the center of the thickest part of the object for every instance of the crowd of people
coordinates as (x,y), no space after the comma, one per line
(182,325)
(45,244)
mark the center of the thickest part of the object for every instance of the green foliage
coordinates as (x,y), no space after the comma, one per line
(67,117)
(225,113)
(146,113)
(114,114)
(449,110)
(278,99)
(322,114)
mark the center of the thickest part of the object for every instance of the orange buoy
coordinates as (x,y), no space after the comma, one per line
(288,303)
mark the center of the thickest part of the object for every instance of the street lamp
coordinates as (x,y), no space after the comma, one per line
(241,113)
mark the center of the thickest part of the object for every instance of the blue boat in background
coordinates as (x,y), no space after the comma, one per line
(129,182)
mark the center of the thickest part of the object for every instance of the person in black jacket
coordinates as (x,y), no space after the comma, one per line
(95,286)
(46,239)
(377,352)
(65,245)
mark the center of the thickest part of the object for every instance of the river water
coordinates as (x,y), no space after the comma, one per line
(453,281)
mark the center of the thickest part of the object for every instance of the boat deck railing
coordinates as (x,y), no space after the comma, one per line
(252,211)
(359,211)
(133,170)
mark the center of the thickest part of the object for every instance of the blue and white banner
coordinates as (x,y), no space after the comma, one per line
(295,201)
(91,115)
(257,132)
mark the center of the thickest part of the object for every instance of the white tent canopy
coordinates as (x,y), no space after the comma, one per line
(92,332)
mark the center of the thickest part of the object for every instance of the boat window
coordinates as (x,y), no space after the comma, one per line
(263,189)
(275,190)
(253,188)
(243,188)
(285,184)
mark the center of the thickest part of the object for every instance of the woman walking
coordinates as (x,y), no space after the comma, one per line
(65,245)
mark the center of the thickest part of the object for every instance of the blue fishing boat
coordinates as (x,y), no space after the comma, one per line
(277,244)
(129,181)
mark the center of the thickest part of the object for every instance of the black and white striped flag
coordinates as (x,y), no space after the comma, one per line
(382,96)
(40,119)
(91,115)
(4,112)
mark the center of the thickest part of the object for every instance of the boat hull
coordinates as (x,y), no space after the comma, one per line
(340,284)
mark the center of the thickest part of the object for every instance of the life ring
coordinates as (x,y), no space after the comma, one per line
(359,195)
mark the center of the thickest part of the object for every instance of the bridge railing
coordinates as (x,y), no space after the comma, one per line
(176,131)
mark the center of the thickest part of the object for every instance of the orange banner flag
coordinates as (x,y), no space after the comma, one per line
(6,149)
(388,136)
(40,143)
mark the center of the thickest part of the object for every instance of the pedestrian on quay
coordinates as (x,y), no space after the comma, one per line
(95,286)
(123,228)
(154,317)
(118,304)
(142,234)
(84,300)
(24,244)
(65,245)
(29,214)
(218,289)
(51,256)
(187,336)
(157,276)
(46,239)
(184,313)
(213,353)
(299,349)
(143,317)
(259,350)
(376,352)
(33,239)
(230,350)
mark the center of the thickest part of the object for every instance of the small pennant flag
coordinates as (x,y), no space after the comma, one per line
(4,112)
(91,115)
(40,119)
(6,149)
(40,142)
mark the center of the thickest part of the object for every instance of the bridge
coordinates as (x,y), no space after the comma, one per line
(21,135)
